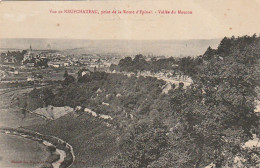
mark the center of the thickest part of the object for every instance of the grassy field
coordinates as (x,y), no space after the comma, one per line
(11,115)
(93,142)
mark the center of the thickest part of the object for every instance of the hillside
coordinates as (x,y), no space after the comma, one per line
(205,123)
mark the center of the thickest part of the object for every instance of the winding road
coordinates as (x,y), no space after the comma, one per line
(10,118)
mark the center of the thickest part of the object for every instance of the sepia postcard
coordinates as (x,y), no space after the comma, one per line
(130,84)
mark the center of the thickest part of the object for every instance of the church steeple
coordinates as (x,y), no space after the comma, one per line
(30,47)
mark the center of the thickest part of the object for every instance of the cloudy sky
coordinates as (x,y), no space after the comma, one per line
(209,19)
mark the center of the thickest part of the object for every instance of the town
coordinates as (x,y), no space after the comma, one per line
(41,66)
(34,65)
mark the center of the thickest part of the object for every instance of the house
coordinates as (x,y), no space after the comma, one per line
(56,65)
(16,72)
(29,64)
(10,59)
(84,72)
(66,64)
(28,56)
(30,78)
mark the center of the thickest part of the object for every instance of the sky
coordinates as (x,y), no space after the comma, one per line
(209,19)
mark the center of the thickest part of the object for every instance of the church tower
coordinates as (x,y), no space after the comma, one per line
(30,47)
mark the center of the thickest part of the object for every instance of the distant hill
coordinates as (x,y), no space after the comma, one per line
(174,48)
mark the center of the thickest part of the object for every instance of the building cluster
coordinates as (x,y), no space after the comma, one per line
(7,59)
(57,59)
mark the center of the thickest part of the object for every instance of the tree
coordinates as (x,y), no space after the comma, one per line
(47,96)
(209,53)
(140,63)
(229,93)
(217,115)
(125,64)
(66,74)
(68,80)
(142,145)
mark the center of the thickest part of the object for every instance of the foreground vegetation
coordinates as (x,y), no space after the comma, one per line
(207,122)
